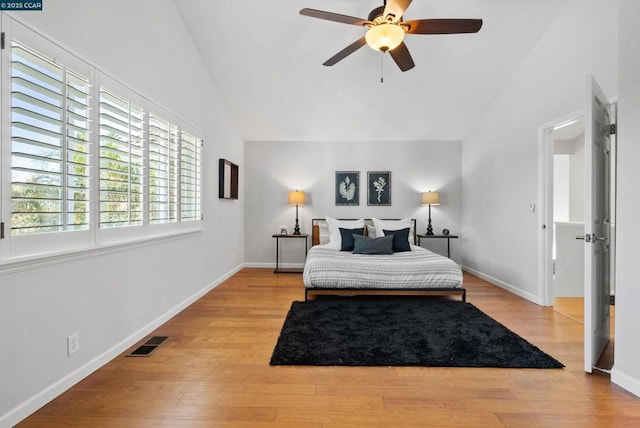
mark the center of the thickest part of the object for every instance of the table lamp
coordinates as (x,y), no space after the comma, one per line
(296,198)
(430,198)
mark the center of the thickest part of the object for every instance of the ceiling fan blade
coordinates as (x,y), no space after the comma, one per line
(396,8)
(402,57)
(330,16)
(346,52)
(443,26)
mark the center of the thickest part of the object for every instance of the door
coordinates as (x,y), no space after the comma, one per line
(597,222)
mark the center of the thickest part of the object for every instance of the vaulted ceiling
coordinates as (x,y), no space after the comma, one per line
(267,61)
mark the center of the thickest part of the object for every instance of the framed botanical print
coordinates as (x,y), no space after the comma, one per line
(379,188)
(348,188)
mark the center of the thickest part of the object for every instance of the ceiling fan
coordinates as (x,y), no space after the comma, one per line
(386,30)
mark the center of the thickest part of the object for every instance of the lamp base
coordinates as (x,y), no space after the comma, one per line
(296,230)
(429,228)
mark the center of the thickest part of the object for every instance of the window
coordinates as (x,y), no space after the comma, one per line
(163,154)
(88,156)
(121,161)
(190,165)
(49,148)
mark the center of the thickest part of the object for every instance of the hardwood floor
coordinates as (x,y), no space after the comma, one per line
(214,371)
(573,307)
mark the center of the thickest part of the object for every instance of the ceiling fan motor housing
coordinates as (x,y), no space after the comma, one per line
(376,13)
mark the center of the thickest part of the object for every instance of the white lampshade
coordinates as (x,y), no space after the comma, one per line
(384,37)
(431,198)
(296,198)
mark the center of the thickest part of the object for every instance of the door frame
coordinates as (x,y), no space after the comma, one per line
(545,204)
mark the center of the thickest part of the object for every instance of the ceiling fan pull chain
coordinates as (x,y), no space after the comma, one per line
(381,67)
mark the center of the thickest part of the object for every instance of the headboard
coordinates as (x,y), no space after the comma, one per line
(316,224)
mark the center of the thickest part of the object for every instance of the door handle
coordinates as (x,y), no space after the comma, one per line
(596,238)
(593,238)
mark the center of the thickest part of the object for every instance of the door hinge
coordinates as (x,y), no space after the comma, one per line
(2,230)
(2,40)
(612,300)
(613,129)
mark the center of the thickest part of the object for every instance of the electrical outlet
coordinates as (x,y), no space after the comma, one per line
(73,343)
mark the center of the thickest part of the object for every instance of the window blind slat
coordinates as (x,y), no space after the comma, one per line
(22,85)
(35,130)
(53,82)
(41,104)
(37,117)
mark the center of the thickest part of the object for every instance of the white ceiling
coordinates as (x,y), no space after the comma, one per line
(267,61)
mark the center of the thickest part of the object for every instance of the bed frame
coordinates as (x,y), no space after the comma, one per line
(310,293)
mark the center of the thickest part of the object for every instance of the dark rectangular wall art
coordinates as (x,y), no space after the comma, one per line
(378,187)
(228,180)
(347,188)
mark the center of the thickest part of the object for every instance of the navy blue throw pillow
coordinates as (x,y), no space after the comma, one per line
(366,245)
(400,239)
(347,237)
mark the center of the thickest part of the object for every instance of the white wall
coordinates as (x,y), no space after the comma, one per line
(570,154)
(500,154)
(576,180)
(561,189)
(275,168)
(626,371)
(568,280)
(146,45)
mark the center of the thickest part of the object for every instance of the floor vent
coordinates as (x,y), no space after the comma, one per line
(148,347)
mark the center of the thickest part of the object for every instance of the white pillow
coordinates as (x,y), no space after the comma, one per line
(382,225)
(371,231)
(335,239)
(323,227)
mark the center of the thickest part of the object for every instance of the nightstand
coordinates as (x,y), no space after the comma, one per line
(278,237)
(447,237)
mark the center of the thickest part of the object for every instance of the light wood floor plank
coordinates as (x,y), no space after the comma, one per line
(214,371)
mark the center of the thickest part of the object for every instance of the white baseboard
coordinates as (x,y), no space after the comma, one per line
(34,403)
(510,288)
(625,381)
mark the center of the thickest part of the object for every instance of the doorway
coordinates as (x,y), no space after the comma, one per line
(562,204)
(568,217)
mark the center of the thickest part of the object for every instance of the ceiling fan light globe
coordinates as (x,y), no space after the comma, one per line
(384,37)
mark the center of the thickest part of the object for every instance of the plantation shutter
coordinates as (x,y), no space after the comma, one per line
(174,171)
(159,170)
(77,142)
(49,145)
(86,156)
(190,174)
(121,161)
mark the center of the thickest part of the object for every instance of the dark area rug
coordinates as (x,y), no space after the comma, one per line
(400,332)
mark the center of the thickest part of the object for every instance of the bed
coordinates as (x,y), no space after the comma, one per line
(330,271)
